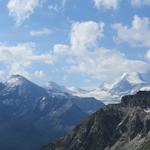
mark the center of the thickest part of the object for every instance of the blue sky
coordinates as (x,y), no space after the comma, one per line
(74,42)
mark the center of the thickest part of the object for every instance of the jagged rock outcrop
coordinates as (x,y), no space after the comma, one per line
(124,126)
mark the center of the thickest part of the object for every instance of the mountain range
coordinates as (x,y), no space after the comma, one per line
(128,83)
(31,115)
(122,126)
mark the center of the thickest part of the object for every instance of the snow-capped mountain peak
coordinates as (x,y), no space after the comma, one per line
(131,78)
(15,80)
(128,83)
(22,86)
(134,78)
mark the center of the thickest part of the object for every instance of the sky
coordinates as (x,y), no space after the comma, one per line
(81,43)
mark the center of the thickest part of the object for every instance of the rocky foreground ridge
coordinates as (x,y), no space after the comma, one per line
(123,126)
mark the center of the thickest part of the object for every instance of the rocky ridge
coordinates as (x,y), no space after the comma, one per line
(123,126)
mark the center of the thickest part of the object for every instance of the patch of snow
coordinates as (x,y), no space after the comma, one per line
(146,88)
(43,103)
(44,98)
(147,110)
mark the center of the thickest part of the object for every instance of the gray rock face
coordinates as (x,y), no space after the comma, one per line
(124,126)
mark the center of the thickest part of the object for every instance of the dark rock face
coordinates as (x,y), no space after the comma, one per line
(124,126)
(30,116)
(142,99)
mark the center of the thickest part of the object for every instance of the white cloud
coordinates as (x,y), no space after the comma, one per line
(18,58)
(39,74)
(84,35)
(23,54)
(22,9)
(140,2)
(136,35)
(59,7)
(60,49)
(108,4)
(88,57)
(147,56)
(41,32)
(107,65)
(113,4)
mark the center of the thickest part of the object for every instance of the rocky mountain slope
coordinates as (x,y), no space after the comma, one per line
(31,115)
(123,126)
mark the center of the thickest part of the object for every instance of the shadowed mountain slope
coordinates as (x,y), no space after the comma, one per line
(31,116)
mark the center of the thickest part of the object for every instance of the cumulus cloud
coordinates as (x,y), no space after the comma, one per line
(136,35)
(84,35)
(140,2)
(60,49)
(108,4)
(107,65)
(22,9)
(18,58)
(41,32)
(113,4)
(88,57)
(58,7)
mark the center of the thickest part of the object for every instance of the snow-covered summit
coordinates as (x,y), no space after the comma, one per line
(131,78)
(128,83)
(22,86)
(16,80)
